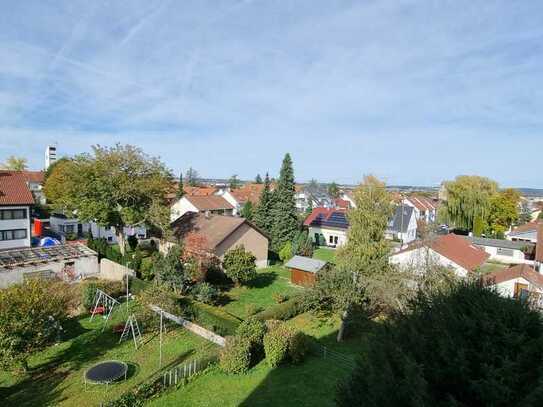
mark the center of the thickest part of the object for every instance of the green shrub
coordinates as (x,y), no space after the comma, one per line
(298,347)
(235,357)
(205,292)
(285,254)
(239,265)
(112,288)
(286,310)
(251,309)
(253,330)
(465,347)
(161,297)
(279,298)
(147,270)
(276,344)
(210,317)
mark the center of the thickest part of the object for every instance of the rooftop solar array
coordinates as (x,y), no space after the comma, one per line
(35,255)
(336,219)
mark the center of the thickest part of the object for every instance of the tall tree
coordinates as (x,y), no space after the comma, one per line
(234,182)
(192,177)
(247,211)
(362,274)
(258,179)
(180,187)
(263,212)
(15,163)
(504,211)
(113,186)
(285,217)
(333,190)
(467,198)
(525,214)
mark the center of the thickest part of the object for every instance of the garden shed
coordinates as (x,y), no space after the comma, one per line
(303,270)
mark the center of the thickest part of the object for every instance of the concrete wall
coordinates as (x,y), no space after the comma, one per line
(109,270)
(251,239)
(83,267)
(517,258)
(418,258)
(14,224)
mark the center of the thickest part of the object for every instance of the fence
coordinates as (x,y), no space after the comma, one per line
(327,353)
(177,374)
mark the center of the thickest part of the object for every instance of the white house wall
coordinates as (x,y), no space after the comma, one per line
(181,207)
(327,232)
(418,258)
(227,195)
(507,288)
(15,224)
(517,258)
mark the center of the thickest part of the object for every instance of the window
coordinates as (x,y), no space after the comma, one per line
(335,239)
(13,234)
(70,229)
(8,214)
(110,238)
(331,239)
(317,240)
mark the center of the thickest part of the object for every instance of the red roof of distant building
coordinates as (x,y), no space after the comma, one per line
(34,176)
(248,193)
(527,227)
(539,244)
(342,203)
(326,212)
(422,203)
(518,271)
(14,189)
(208,202)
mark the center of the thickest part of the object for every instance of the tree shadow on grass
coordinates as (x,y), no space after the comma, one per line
(263,280)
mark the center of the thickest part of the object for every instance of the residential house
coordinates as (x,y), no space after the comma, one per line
(73,261)
(222,233)
(171,196)
(450,250)
(213,204)
(505,251)
(312,196)
(425,208)
(238,197)
(304,270)
(516,281)
(403,225)
(35,180)
(16,201)
(327,226)
(347,195)
(524,233)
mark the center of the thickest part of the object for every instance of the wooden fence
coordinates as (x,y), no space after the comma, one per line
(185,370)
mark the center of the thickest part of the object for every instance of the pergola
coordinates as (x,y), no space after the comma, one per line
(38,255)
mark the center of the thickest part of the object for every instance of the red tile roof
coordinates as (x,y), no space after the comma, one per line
(209,202)
(422,203)
(520,270)
(455,248)
(14,189)
(527,227)
(248,192)
(34,176)
(316,212)
(342,203)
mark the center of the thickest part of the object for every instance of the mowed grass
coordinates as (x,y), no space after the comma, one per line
(322,253)
(259,293)
(310,383)
(56,374)
(490,267)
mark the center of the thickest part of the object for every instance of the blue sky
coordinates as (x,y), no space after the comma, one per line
(412,91)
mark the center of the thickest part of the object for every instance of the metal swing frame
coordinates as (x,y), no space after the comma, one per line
(131,325)
(107,301)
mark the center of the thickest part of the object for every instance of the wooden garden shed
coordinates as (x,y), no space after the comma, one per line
(304,270)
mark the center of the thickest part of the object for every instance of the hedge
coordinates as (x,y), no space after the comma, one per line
(283,311)
(235,357)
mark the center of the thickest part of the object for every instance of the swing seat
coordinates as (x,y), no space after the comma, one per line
(118,329)
(98,310)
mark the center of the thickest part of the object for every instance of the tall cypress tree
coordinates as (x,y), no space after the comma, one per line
(180,188)
(284,215)
(263,213)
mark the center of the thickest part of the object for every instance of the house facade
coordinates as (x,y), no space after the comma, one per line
(16,201)
(524,233)
(312,196)
(516,282)
(327,227)
(450,251)
(425,208)
(403,225)
(213,204)
(506,251)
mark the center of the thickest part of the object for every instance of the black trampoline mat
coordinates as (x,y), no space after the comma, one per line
(106,372)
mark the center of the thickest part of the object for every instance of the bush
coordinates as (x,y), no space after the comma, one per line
(161,297)
(253,330)
(286,310)
(205,292)
(251,309)
(132,242)
(239,265)
(465,347)
(298,347)
(112,288)
(147,270)
(285,254)
(235,357)
(279,298)
(276,345)
(71,236)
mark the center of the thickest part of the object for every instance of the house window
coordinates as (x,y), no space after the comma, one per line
(335,240)
(317,240)
(70,229)
(8,214)
(13,234)
(331,239)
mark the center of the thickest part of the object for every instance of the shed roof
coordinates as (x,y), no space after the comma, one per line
(520,270)
(306,264)
(504,244)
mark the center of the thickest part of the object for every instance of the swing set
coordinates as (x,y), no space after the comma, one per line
(103,305)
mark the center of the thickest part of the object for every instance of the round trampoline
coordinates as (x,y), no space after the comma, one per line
(106,372)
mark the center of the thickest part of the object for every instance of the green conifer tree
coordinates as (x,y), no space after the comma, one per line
(285,217)
(263,213)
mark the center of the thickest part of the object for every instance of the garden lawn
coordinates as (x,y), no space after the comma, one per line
(56,375)
(490,267)
(258,295)
(325,254)
(311,383)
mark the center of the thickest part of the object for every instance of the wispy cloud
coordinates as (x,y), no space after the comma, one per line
(412,91)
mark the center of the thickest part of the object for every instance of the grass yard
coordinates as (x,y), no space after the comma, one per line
(259,295)
(56,375)
(322,253)
(311,383)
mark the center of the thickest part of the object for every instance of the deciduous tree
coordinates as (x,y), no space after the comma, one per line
(239,265)
(258,179)
(333,190)
(234,182)
(504,211)
(15,163)
(192,177)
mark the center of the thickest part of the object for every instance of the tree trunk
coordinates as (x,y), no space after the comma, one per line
(341,331)
(119,232)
